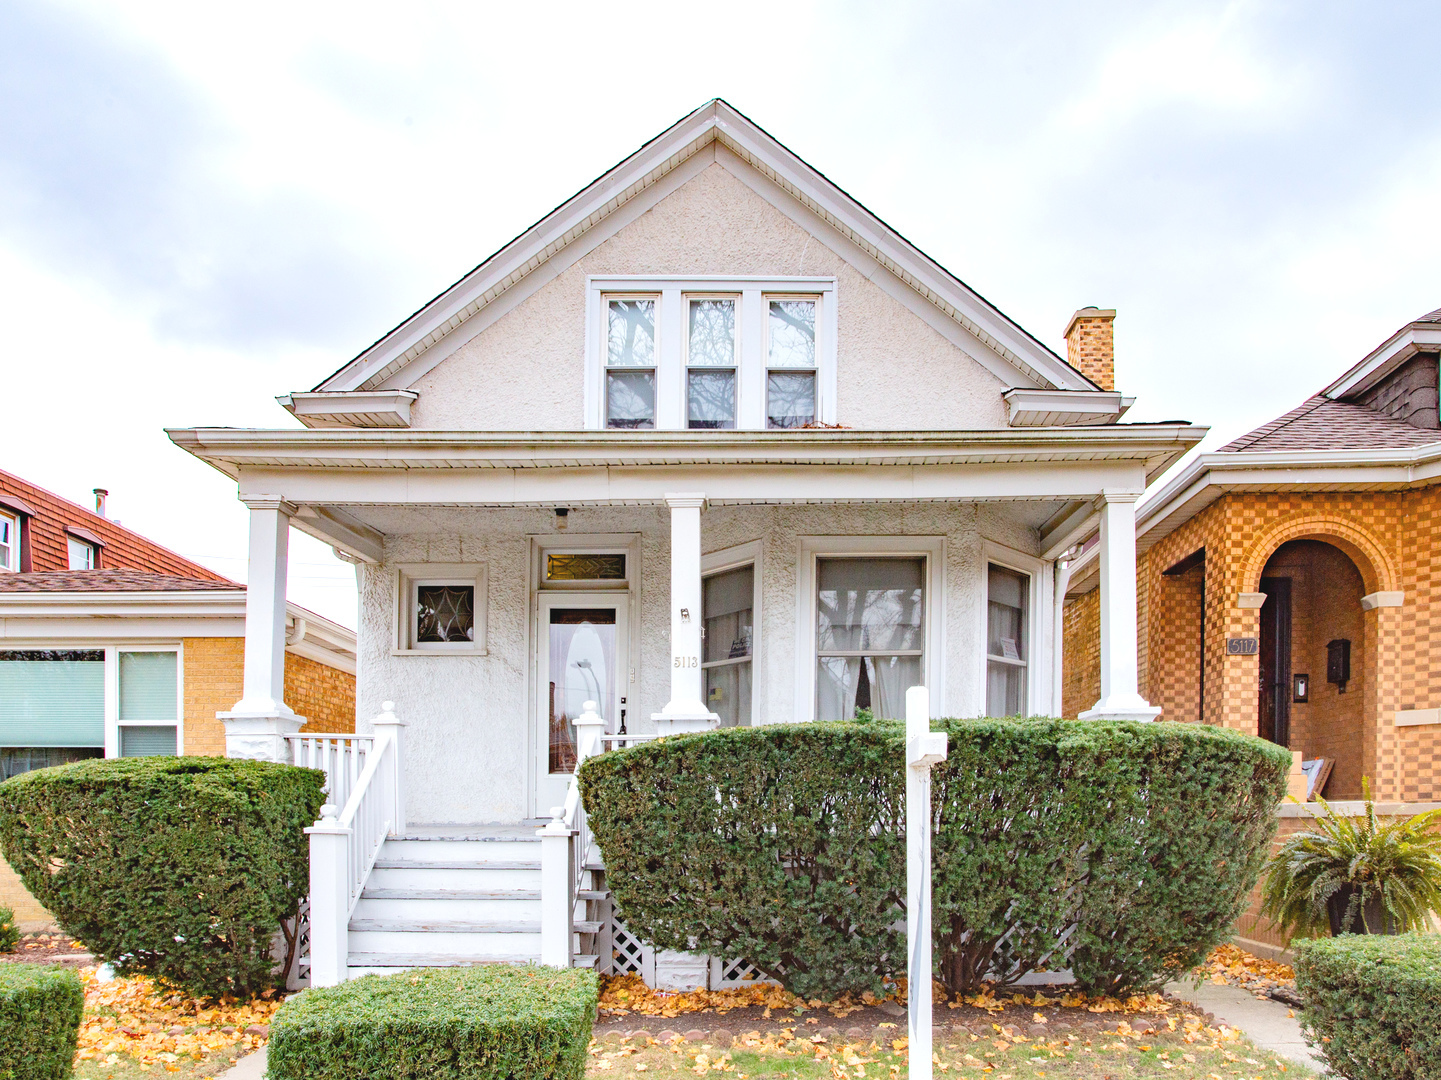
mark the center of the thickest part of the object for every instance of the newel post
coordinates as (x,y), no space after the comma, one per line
(388,729)
(924,748)
(589,727)
(329,899)
(557,901)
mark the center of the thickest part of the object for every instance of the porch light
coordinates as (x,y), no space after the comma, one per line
(562,515)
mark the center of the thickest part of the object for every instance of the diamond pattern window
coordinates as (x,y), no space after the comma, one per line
(444,613)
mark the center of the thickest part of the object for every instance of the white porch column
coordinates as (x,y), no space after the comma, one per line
(255,727)
(1120,683)
(686,710)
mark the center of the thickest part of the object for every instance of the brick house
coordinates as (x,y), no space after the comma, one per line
(1287,585)
(111,645)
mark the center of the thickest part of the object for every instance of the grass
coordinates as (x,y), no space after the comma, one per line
(1186,1051)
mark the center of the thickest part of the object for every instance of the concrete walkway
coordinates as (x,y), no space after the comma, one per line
(250,1067)
(1266,1023)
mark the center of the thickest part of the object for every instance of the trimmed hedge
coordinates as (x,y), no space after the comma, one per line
(180,868)
(495,1022)
(9,931)
(40,1011)
(1123,850)
(1372,1004)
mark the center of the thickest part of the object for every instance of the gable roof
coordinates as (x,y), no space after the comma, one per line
(1423,334)
(1319,423)
(595,212)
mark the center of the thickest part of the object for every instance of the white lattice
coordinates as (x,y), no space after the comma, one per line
(735,973)
(628,954)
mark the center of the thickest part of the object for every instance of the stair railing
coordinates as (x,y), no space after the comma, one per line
(344,845)
(564,849)
(340,757)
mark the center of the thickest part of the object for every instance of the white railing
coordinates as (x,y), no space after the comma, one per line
(340,757)
(345,841)
(564,848)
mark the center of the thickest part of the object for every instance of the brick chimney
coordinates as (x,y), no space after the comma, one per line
(1090,346)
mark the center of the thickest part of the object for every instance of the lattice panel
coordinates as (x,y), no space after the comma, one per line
(628,954)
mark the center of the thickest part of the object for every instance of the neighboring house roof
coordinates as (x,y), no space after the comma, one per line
(448,321)
(111,581)
(1322,424)
(48,518)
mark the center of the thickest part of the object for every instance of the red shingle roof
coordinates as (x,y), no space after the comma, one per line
(111,581)
(1322,424)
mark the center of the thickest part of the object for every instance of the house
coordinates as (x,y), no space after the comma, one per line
(1285,586)
(708,444)
(113,646)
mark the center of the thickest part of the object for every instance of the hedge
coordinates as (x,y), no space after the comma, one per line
(180,868)
(40,1011)
(1371,1003)
(1123,850)
(494,1022)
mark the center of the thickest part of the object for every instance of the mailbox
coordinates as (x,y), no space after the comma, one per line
(1338,662)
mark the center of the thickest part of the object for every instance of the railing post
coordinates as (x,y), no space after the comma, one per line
(589,727)
(557,891)
(386,725)
(329,899)
(924,748)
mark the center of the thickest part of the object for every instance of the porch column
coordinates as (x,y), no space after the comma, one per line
(256,725)
(686,710)
(1120,683)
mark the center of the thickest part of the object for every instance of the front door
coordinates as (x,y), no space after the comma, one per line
(581,654)
(1274,722)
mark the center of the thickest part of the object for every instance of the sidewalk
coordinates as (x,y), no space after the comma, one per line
(1268,1024)
(250,1067)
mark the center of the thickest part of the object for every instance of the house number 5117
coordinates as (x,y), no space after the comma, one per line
(687,661)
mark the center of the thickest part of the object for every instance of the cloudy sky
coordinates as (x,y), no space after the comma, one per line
(202,205)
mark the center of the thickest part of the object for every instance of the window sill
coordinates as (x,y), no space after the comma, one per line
(476,651)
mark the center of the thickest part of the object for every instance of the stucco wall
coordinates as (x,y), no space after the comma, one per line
(469,728)
(526,371)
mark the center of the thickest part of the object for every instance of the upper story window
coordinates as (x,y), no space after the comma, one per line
(710,353)
(81,553)
(9,542)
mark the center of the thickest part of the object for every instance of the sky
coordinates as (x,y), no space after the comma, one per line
(205,205)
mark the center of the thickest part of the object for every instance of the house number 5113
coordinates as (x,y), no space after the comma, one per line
(687,661)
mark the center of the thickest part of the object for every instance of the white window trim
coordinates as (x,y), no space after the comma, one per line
(750,554)
(811,548)
(671,342)
(112,694)
(13,563)
(73,542)
(1039,625)
(408,577)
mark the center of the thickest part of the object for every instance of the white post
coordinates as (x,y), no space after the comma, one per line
(924,748)
(686,711)
(329,899)
(557,901)
(589,727)
(388,727)
(1120,682)
(256,726)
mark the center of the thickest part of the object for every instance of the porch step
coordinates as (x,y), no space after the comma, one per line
(444,864)
(460,894)
(382,964)
(441,926)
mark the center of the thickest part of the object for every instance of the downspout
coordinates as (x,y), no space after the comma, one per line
(1058,630)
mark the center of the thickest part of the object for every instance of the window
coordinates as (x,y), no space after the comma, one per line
(711,362)
(1007,640)
(82,554)
(710,353)
(631,359)
(9,542)
(52,698)
(790,363)
(869,635)
(440,608)
(728,642)
(149,710)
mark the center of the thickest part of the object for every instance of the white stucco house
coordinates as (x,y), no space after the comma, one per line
(708,444)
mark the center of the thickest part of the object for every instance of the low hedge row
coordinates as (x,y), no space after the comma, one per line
(40,1011)
(1372,1004)
(1123,850)
(181,868)
(494,1022)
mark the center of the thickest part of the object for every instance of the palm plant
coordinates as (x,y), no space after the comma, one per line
(1352,873)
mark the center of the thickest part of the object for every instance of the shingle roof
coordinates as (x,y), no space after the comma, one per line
(1434,316)
(110,581)
(1319,423)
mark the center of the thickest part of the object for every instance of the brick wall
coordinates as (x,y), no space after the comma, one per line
(214,681)
(1081,664)
(323,695)
(1172,667)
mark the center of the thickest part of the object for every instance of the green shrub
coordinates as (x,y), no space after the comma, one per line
(40,1011)
(1124,850)
(180,868)
(496,1022)
(9,932)
(1371,1004)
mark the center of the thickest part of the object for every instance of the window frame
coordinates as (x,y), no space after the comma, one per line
(814,370)
(71,543)
(1039,625)
(604,348)
(673,340)
(811,549)
(409,578)
(750,554)
(12,561)
(113,723)
(688,300)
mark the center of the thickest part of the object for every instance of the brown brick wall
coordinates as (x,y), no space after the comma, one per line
(214,680)
(323,695)
(1081,662)
(1172,668)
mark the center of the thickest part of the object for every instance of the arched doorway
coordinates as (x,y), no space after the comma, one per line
(1312,674)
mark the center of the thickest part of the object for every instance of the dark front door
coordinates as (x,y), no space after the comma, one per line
(1275,717)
